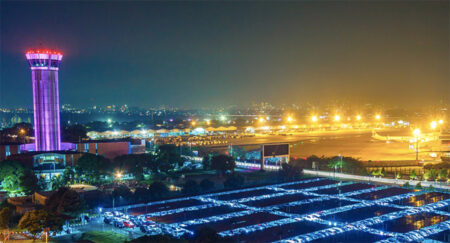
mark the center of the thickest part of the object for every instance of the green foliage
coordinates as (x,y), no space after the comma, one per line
(430,188)
(223,163)
(290,171)
(102,237)
(65,201)
(15,179)
(378,172)
(430,175)
(134,164)
(122,191)
(35,221)
(5,217)
(91,167)
(413,175)
(234,181)
(419,186)
(29,183)
(399,175)
(443,174)
(74,133)
(406,185)
(168,156)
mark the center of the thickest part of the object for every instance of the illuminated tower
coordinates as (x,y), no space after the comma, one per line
(44,65)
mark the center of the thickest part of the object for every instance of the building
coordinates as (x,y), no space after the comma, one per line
(47,164)
(44,65)
(109,149)
(9,149)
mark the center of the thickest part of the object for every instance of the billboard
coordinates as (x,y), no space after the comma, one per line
(276,150)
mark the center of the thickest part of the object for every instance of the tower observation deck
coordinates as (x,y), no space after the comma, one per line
(44,65)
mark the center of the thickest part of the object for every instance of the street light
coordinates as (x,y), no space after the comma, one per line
(378,117)
(290,119)
(337,118)
(314,118)
(441,121)
(119,175)
(433,124)
(358,117)
(261,120)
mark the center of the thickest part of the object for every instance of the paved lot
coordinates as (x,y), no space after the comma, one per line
(314,209)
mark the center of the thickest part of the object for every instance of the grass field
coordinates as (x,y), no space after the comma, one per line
(103,237)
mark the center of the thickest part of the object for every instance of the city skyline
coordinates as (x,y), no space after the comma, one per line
(388,53)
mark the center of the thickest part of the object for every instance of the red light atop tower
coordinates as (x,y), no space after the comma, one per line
(45,51)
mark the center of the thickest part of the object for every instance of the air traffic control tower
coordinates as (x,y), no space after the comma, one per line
(44,65)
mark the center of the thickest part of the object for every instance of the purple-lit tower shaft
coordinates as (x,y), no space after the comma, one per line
(44,65)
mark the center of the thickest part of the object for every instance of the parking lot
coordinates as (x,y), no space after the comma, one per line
(313,209)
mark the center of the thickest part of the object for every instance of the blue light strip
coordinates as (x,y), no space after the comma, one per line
(276,191)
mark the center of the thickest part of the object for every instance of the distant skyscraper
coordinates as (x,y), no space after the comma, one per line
(44,65)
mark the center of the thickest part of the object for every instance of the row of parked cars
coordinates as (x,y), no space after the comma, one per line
(144,223)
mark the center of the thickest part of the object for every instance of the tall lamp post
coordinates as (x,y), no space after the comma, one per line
(416,133)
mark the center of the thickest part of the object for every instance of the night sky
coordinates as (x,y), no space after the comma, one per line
(204,54)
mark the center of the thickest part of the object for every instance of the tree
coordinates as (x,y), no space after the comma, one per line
(35,221)
(419,186)
(290,171)
(443,174)
(413,175)
(29,182)
(206,162)
(92,167)
(11,184)
(168,157)
(383,172)
(130,163)
(430,175)
(206,185)
(5,217)
(222,163)
(158,189)
(399,175)
(74,133)
(122,191)
(65,201)
(11,173)
(190,187)
(234,181)
(141,194)
(68,176)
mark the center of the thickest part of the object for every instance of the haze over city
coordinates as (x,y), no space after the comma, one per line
(207,54)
